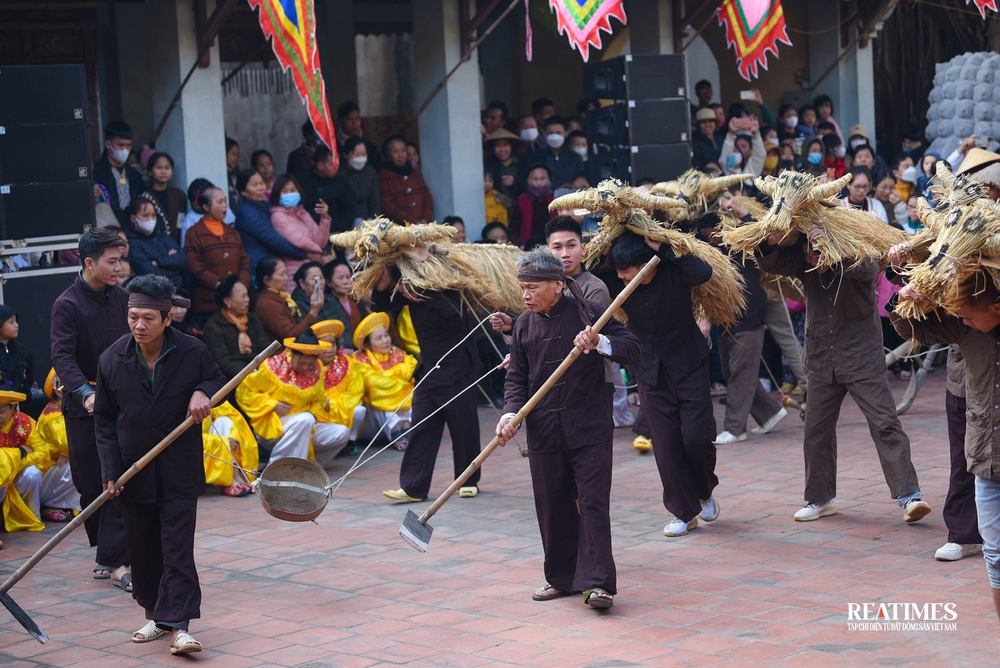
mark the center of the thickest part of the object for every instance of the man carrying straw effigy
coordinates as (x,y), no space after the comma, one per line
(570,431)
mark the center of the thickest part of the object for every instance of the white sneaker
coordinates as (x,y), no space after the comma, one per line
(956,551)
(726,437)
(915,510)
(678,527)
(710,510)
(771,423)
(814,511)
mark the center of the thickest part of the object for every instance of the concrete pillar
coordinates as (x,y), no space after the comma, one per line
(450,144)
(195,133)
(651,26)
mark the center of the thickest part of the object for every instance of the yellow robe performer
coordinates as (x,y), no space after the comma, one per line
(218,432)
(388,376)
(20,480)
(50,454)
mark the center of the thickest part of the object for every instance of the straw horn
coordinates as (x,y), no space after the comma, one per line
(831,189)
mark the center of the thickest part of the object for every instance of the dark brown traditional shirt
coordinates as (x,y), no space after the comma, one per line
(578,405)
(843,331)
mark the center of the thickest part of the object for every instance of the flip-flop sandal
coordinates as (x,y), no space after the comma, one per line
(236,490)
(548,592)
(55,515)
(468,492)
(598,598)
(102,576)
(184,644)
(148,633)
(125,584)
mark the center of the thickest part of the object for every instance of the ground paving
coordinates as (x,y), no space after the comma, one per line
(752,589)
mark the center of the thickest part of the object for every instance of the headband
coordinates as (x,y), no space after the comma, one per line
(138,300)
(529,275)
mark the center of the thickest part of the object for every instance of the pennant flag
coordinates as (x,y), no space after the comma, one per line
(753,27)
(291,27)
(983,5)
(583,21)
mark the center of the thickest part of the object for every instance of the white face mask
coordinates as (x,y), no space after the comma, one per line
(555,140)
(529,134)
(146,226)
(357,164)
(580,151)
(120,155)
(858,142)
(791,122)
(840,151)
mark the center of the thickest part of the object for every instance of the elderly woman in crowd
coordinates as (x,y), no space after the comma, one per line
(290,219)
(276,309)
(338,297)
(405,197)
(309,277)
(233,334)
(215,251)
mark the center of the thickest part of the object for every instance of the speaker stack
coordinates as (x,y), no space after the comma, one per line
(46,192)
(645,131)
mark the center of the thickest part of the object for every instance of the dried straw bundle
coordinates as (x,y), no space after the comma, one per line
(800,203)
(427,259)
(699,191)
(957,191)
(959,251)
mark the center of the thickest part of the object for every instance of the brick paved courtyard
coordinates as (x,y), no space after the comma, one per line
(754,588)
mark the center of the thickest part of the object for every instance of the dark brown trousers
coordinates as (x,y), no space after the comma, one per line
(741,366)
(960,515)
(105,529)
(682,427)
(417,469)
(873,397)
(577,543)
(160,540)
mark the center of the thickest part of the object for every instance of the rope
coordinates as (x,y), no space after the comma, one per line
(233,464)
(336,483)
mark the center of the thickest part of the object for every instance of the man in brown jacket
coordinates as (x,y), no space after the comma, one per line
(843,354)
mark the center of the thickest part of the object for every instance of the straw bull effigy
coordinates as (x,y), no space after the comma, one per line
(719,301)
(428,259)
(798,203)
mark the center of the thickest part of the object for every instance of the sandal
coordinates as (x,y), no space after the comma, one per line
(598,598)
(125,584)
(548,592)
(102,572)
(184,643)
(148,632)
(236,490)
(55,515)
(468,492)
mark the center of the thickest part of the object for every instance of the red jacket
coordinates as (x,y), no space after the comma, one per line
(405,199)
(534,215)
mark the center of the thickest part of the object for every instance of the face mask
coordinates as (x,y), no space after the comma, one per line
(840,151)
(529,134)
(146,226)
(357,164)
(555,140)
(120,155)
(814,158)
(770,162)
(791,122)
(906,149)
(858,142)
(580,151)
(288,200)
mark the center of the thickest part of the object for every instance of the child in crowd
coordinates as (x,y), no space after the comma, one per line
(495,211)
(388,375)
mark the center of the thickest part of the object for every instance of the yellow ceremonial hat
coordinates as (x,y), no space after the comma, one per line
(7,397)
(371,322)
(50,384)
(307,347)
(334,328)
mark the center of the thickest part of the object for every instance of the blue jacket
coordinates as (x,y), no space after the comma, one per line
(253,222)
(143,251)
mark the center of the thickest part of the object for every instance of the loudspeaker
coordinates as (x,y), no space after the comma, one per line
(639,122)
(34,94)
(46,209)
(660,162)
(44,153)
(637,77)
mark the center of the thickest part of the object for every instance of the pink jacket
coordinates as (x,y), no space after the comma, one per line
(299,228)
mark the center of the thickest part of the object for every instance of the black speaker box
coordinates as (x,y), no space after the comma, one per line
(34,94)
(46,209)
(638,77)
(640,122)
(44,153)
(660,162)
